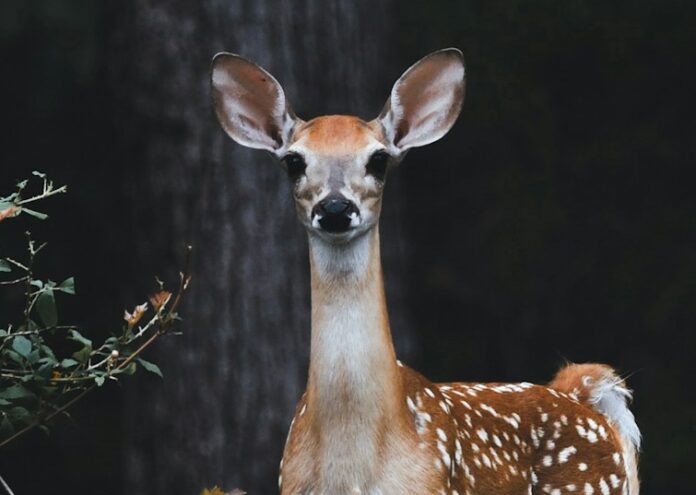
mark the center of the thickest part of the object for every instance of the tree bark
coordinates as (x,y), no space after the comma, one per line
(232,379)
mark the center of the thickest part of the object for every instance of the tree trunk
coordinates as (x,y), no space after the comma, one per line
(232,379)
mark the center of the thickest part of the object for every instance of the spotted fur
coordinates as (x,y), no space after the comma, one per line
(366,424)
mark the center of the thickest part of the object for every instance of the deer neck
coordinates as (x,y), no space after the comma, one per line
(354,394)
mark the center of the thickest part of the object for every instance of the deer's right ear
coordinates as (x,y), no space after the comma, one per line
(250,104)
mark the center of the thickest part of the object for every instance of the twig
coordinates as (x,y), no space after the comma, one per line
(47,193)
(49,417)
(164,318)
(6,486)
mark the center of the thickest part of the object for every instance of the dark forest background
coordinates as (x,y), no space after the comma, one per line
(554,222)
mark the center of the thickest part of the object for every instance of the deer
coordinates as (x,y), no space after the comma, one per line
(367,423)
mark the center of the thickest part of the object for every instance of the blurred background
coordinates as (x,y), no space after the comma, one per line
(554,222)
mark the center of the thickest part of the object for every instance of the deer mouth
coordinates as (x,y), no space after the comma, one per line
(335,224)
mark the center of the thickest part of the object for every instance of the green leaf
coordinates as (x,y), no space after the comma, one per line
(6,428)
(4,402)
(83,354)
(15,392)
(38,174)
(22,345)
(34,356)
(5,266)
(131,368)
(18,414)
(15,357)
(99,380)
(46,307)
(37,283)
(45,370)
(77,337)
(49,353)
(67,286)
(151,367)
(22,184)
(34,213)
(68,363)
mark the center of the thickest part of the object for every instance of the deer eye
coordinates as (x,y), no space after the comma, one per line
(295,165)
(377,165)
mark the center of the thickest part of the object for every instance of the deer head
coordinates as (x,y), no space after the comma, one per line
(338,164)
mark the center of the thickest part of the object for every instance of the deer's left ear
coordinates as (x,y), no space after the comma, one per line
(425,101)
(250,104)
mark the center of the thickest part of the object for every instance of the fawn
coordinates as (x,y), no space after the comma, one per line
(366,423)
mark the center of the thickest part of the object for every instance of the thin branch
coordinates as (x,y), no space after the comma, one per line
(6,486)
(164,318)
(15,281)
(47,193)
(55,413)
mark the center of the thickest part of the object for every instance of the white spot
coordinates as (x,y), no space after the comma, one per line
(445,455)
(604,487)
(512,422)
(614,480)
(483,434)
(564,454)
(441,434)
(548,460)
(489,409)
(617,458)
(429,392)
(582,466)
(588,489)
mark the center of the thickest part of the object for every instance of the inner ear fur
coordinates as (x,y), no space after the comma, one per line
(250,103)
(426,100)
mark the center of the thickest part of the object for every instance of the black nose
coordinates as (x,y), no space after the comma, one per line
(334,213)
(333,206)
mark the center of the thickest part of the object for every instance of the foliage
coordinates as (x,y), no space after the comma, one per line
(38,383)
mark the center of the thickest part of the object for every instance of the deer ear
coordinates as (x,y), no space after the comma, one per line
(425,101)
(250,104)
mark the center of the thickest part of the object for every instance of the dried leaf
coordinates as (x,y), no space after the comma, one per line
(8,212)
(133,318)
(159,299)
(214,491)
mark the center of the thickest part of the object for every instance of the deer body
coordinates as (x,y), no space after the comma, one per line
(366,424)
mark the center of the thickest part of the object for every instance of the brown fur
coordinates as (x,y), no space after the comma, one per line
(334,134)
(517,451)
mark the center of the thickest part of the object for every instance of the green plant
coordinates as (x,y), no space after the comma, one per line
(36,383)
